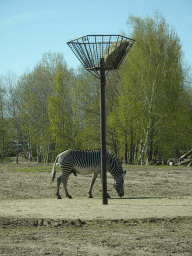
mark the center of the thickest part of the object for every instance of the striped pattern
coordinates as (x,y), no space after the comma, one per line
(86,162)
(86,159)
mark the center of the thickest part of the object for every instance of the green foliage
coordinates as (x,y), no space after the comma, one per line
(148,101)
(87,107)
(59,109)
(152,97)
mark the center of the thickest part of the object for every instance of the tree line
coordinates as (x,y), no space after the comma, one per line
(148,102)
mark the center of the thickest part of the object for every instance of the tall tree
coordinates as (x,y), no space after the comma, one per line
(2,120)
(33,90)
(89,108)
(59,106)
(14,132)
(153,78)
(112,111)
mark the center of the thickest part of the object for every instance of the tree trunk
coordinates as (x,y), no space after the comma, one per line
(2,146)
(185,155)
(131,149)
(126,153)
(143,149)
(30,152)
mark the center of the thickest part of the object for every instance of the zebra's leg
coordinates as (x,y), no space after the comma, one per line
(92,183)
(59,179)
(64,180)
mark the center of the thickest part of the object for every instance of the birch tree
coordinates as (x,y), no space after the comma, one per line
(89,106)
(12,117)
(154,69)
(2,120)
(59,109)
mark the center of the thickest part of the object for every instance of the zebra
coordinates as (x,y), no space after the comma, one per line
(86,162)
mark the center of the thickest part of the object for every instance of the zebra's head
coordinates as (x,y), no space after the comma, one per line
(118,184)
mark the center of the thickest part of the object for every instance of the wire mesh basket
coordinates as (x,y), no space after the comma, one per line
(97,52)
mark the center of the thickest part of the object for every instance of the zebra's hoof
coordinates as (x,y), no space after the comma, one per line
(70,197)
(59,197)
(90,196)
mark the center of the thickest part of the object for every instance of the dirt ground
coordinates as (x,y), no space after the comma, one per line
(153,218)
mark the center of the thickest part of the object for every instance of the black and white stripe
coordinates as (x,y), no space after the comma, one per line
(86,162)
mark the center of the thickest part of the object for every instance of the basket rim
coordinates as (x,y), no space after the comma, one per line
(127,38)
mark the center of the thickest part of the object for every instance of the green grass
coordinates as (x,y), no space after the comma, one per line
(159,167)
(27,167)
(6,160)
(33,169)
(30,169)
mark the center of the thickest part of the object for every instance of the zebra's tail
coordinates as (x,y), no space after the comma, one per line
(53,170)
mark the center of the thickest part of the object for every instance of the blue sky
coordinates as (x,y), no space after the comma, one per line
(30,28)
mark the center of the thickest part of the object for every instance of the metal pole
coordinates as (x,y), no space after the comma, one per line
(103,133)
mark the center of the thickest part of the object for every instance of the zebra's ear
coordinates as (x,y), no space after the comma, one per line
(123,174)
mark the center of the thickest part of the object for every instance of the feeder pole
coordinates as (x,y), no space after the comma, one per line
(103,132)
(100,53)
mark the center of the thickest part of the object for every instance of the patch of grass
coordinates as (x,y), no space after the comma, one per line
(6,160)
(33,169)
(30,167)
(148,167)
(41,169)
(130,166)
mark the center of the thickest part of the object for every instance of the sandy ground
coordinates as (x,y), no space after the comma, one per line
(153,218)
(87,209)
